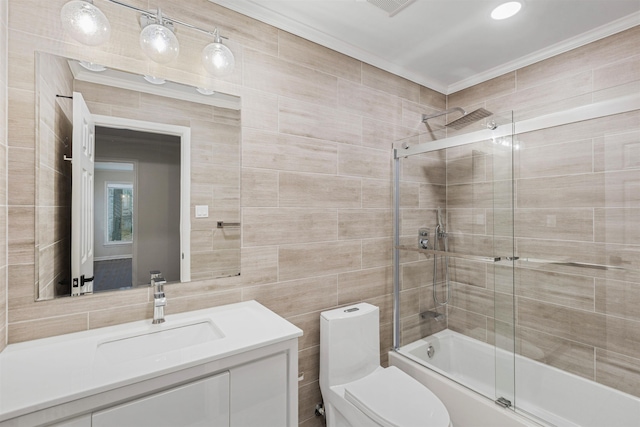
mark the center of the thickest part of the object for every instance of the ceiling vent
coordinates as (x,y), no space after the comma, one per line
(391,6)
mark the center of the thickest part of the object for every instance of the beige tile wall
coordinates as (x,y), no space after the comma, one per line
(577,193)
(3,172)
(317,128)
(53,177)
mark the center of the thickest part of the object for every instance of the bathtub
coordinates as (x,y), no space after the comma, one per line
(543,393)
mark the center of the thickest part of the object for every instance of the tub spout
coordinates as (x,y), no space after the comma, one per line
(430,314)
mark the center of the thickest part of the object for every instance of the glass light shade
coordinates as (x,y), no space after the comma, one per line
(159,43)
(85,23)
(218,59)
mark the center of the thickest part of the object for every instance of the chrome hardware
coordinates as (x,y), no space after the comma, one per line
(430,351)
(159,298)
(222,224)
(505,403)
(431,315)
(423,238)
(451,254)
(320,410)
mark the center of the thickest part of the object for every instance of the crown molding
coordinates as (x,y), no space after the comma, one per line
(257,11)
(254,10)
(601,32)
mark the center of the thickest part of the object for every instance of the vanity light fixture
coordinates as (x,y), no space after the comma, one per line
(157,39)
(217,58)
(506,10)
(87,24)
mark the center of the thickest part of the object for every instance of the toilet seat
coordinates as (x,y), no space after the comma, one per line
(393,399)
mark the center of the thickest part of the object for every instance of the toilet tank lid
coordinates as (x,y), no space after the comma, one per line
(348,311)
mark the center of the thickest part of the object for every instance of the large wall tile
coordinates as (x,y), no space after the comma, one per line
(543,95)
(617,74)
(285,152)
(377,252)
(363,223)
(494,88)
(268,73)
(297,49)
(432,98)
(259,188)
(618,371)
(377,193)
(364,162)
(620,151)
(369,102)
(616,298)
(302,296)
(617,225)
(563,289)
(585,58)
(556,224)
(561,353)
(276,226)
(581,326)
(556,159)
(314,259)
(384,81)
(314,191)
(316,121)
(356,286)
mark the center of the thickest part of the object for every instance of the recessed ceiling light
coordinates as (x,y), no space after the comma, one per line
(506,10)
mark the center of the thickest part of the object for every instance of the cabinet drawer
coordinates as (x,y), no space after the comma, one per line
(198,404)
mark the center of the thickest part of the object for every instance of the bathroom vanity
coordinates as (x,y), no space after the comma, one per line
(233,365)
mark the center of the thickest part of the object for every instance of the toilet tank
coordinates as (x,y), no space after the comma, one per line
(349,344)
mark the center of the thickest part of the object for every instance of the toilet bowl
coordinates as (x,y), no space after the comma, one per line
(356,390)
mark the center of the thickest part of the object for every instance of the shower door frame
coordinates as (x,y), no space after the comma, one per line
(504,389)
(595,110)
(591,111)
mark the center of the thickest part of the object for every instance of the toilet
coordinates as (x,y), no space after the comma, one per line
(356,390)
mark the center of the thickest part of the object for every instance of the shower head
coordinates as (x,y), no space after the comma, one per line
(459,123)
(469,118)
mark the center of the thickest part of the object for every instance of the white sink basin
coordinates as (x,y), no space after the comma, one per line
(158,342)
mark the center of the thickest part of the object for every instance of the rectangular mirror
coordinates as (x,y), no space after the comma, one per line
(133,174)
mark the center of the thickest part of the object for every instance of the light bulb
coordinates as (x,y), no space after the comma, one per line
(85,23)
(218,59)
(159,43)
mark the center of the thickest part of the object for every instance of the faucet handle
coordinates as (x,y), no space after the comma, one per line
(158,282)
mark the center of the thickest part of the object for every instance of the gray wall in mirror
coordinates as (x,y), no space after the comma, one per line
(214,174)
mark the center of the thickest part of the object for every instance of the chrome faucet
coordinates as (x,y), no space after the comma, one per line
(159,299)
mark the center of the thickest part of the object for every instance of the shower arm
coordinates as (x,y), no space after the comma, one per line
(426,117)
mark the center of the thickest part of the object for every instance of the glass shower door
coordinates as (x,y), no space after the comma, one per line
(454,292)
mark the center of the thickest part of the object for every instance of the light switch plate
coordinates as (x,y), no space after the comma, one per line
(202,211)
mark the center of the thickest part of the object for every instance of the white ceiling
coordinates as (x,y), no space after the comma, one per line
(446,45)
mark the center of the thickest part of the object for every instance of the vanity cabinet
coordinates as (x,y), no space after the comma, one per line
(244,376)
(251,394)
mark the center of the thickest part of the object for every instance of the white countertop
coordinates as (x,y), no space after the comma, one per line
(39,374)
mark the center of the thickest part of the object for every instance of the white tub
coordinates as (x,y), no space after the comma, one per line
(557,397)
